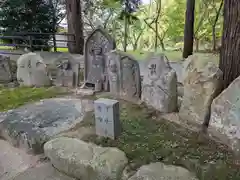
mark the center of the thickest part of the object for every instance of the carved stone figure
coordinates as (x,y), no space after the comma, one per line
(67,71)
(5,69)
(124,76)
(97,45)
(160,85)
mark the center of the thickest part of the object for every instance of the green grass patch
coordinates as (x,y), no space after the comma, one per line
(146,139)
(13,98)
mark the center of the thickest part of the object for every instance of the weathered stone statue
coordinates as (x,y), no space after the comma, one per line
(124,76)
(32,71)
(159,88)
(5,69)
(97,45)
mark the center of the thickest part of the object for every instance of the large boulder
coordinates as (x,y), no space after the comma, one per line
(32,71)
(159,86)
(42,172)
(85,161)
(225,114)
(31,125)
(202,83)
(157,171)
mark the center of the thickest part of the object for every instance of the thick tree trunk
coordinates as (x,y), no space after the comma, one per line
(189,29)
(230,51)
(75,26)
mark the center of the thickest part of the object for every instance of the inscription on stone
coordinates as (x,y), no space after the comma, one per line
(97,45)
(107,118)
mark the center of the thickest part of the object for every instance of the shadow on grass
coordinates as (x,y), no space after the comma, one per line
(146,138)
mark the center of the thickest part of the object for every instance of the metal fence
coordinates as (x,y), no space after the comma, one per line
(21,40)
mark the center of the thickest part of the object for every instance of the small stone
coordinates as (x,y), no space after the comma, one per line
(85,161)
(158,171)
(107,118)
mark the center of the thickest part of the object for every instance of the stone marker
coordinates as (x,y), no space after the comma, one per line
(202,83)
(5,69)
(159,88)
(31,125)
(107,118)
(32,71)
(124,76)
(225,115)
(98,43)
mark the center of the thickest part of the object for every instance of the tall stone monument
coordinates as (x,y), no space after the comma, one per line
(97,45)
(159,88)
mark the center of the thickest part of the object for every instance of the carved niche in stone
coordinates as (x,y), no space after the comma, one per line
(5,69)
(124,76)
(67,72)
(160,85)
(97,45)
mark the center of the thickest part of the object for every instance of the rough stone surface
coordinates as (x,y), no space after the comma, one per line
(31,125)
(85,161)
(107,120)
(98,43)
(159,88)
(65,71)
(225,114)
(42,172)
(32,71)
(201,85)
(14,161)
(5,69)
(85,92)
(160,171)
(124,76)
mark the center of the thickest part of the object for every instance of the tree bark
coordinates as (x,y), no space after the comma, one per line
(189,29)
(214,26)
(75,26)
(230,51)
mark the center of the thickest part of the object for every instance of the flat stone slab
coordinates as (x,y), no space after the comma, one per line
(31,125)
(14,161)
(42,172)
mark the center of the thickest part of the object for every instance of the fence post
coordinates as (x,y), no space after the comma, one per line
(54,43)
(30,42)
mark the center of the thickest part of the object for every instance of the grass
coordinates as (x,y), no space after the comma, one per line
(146,138)
(13,98)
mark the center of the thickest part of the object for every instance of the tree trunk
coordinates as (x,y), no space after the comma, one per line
(214,39)
(230,51)
(189,29)
(162,45)
(75,26)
